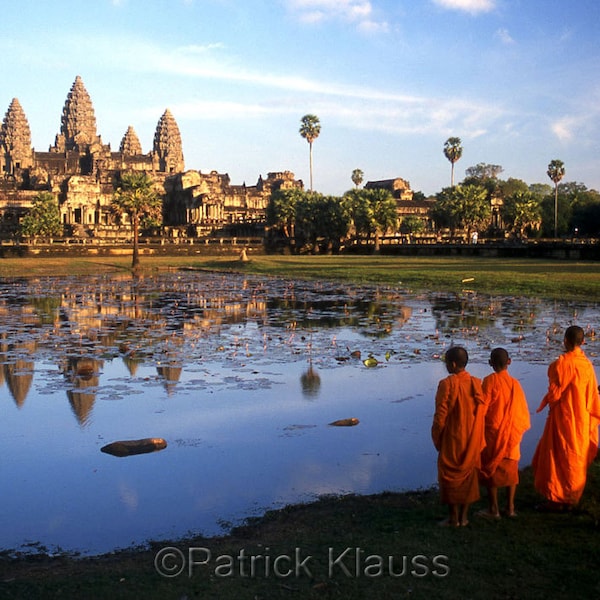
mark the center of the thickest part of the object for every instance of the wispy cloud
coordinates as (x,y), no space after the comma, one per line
(470,6)
(356,12)
(348,105)
(429,116)
(563,128)
(504,36)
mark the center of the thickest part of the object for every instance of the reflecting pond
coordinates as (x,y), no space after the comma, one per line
(241,375)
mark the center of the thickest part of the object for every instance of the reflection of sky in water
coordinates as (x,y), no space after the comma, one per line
(219,367)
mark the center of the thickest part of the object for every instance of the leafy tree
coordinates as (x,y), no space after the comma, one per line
(462,207)
(43,219)
(483,171)
(485,175)
(357,177)
(281,210)
(511,186)
(453,151)
(306,221)
(412,224)
(321,219)
(521,210)
(540,189)
(586,212)
(309,218)
(584,205)
(373,212)
(556,171)
(334,221)
(310,129)
(553,205)
(136,197)
(586,215)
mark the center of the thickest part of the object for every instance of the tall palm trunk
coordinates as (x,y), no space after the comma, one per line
(310,154)
(555,209)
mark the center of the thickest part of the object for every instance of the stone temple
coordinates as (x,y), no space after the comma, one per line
(83,172)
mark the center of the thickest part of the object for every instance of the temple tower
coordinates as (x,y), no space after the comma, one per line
(130,144)
(78,122)
(168,152)
(15,140)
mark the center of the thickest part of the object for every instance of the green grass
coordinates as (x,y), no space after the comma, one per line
(530,277)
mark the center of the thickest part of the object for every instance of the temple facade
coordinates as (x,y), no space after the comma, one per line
(83,172)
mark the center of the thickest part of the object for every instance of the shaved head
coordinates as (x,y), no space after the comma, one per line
(457,355)
(499,359)
(574,336)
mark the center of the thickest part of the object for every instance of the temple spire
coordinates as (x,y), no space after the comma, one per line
(168,151)
(78,121)
(130,144)
(15,140)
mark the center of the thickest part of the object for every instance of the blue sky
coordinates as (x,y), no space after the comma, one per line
(390,80)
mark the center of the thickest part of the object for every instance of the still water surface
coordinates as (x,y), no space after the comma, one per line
(241,375)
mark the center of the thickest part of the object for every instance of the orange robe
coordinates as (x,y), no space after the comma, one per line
(506,420)
(569,442)
(458,435)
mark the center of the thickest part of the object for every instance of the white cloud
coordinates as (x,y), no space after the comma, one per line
(563,128)
(358,12)
(470,6)
(504,36)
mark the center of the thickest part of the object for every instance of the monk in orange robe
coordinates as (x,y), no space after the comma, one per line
(569,442)
(458,436)
(506,420)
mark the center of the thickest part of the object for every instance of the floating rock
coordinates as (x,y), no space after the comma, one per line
(345,422)
(131,447)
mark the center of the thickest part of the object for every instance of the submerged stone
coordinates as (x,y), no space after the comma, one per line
(345,422)
(131,447)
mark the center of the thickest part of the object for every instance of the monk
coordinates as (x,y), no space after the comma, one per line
(506,420)
(569,442)
(458,436)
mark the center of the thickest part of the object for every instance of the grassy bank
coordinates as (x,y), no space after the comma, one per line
(533,277)
(533,556)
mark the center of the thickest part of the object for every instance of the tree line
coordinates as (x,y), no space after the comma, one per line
(481,202)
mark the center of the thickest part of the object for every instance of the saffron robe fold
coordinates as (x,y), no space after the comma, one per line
(569,442)
(458,435)
(506,420)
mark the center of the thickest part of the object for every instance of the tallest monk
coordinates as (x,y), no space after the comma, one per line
(569,442)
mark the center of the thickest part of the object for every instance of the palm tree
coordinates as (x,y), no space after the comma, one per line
(556,171)
(136,197)
(310,129)
(357,177)
(452,151)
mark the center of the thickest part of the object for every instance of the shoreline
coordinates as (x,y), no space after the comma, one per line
(335,535)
